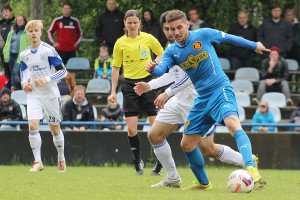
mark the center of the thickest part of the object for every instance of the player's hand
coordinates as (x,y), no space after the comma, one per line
(40,82)
(260,49)
(141,87)
(55,45)
(161,100)
(27,87)
(150,66)
(112,98)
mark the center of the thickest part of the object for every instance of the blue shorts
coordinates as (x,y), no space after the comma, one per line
(210,108)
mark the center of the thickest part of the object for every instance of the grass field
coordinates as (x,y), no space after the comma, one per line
(121,183)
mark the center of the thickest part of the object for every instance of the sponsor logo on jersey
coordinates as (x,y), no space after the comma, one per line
(37,68)
(193,61)
(144,53)
(42,57)
(197,45)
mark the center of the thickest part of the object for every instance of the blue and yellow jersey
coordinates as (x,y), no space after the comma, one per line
(198,58)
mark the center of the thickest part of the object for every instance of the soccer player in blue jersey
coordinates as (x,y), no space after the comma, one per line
(193,52)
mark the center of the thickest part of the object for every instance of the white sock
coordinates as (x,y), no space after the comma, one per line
(35,144)
(228,155)
(59,142)
(164,155)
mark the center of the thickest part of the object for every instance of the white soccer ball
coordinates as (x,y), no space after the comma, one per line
(240,181)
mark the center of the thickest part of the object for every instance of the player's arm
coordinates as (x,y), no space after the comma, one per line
(158,69)
(117,63)
(184,82)
(25,77)
(219,36)
(79,32)
(51,31)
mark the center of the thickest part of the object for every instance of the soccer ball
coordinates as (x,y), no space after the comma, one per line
(240,181)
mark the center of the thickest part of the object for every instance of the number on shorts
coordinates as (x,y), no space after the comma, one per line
(51,119)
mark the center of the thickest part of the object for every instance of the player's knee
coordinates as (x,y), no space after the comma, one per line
(33,126)
(186,147)
(132,131)
(155,137)
(233,123)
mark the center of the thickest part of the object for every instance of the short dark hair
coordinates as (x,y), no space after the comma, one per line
(193,8)
(162,18)
(6,8)
(67,3)
(273,6)
(174,15)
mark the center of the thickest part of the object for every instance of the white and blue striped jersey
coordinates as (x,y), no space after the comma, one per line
(41,63)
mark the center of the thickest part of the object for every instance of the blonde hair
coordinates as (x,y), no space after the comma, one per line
(34,24)
(174,15)
(79,87)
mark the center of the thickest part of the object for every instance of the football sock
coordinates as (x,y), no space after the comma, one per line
(164,154)
(135,146)
(228,155)
(35,144)
(244,146)
(59,142)
(196,162)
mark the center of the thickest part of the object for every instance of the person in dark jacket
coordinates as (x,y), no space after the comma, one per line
(9,109)
(150,25)
(112,113)
(274,75)
(239,56)
(78,109)
(295,117)
(6,24)
(110,25)
(275,31)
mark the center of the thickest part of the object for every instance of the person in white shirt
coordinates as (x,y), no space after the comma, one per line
(176,102)
(41,67)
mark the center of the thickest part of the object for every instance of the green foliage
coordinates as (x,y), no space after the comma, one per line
(218,14)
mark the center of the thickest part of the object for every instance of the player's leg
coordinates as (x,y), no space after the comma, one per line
(35,113)
(52,108)
(157,137)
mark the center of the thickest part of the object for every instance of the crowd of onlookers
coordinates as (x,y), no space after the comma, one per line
(280,32)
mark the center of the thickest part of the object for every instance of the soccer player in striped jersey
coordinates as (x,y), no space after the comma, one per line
(41,68)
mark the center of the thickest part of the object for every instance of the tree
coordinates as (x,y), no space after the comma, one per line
(36,9)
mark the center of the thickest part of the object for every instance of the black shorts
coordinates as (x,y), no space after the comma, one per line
(134,104)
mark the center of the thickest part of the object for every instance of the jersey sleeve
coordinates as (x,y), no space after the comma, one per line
(184,82)
(217,36)
(166,63)
(53,57)
(52,30)
(24,72)
(163,80)
(155,45)
(117,55)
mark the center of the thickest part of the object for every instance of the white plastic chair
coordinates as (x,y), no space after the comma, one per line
(119,96)
(292,64)
(242,113)
(222,129)
(276,99)
(242,86)
(20,97)
(247,73)
(78,63)
(101,86)
(225,63)
(23,111)
(276,112)
(95,112)
(242,99)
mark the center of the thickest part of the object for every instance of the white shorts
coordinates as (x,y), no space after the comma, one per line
(173,113)
(48,108)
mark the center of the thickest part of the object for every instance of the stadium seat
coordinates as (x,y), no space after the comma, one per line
(23,110)
(99,86)
(247,73)
(78,63)
(242,99)
(245,86)
(222,129)
(225,63)
(292,64)
(275,99)
(242,113)
(120,99)
(95,112)
(276,112)
(20,97)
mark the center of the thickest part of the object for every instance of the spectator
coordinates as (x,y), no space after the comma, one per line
(9,110)
(16,42)
(274,75)
(103,64)
(66,87)
(263,115)
(110,25)
(295,117)
(150,25)
(6,25)
(195,21)
(239,56)
(290,18)
(276,32)
(3,80)
(78,109)
(68,33)
(112,113)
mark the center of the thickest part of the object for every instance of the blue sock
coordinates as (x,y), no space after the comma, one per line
(244,146)
(196,163)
